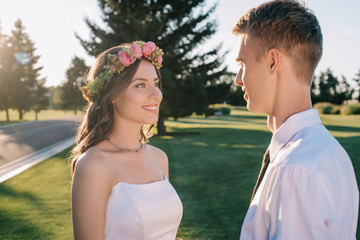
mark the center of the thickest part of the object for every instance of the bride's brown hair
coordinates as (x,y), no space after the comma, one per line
(99,116)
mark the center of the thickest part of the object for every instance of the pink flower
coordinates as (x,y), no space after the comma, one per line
(159,59)
(136,50)
(148,48)
(152,45)
(113,68)
(124,58)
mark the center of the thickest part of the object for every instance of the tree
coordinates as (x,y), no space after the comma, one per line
(327,88)
(25,73)
(71,95)
(314,91)
(236,96)
(221,92)
(344,91)
(6,83)
(357,80)
(179,28)
(55,97)
(40,97)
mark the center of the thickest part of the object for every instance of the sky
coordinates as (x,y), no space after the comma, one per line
(52,25)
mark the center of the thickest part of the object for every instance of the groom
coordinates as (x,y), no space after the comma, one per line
(307,187)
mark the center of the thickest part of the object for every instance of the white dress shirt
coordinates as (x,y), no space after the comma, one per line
(309,190)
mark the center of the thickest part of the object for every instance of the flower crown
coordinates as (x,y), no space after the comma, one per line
(126,56)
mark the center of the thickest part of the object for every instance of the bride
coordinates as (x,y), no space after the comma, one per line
(120,187)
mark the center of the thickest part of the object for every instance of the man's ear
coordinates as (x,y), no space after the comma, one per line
(273,59)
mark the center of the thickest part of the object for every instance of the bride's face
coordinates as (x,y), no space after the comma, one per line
(140,101)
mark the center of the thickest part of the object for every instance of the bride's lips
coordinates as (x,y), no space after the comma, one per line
(151,108)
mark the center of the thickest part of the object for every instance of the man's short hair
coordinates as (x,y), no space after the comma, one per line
(288,26)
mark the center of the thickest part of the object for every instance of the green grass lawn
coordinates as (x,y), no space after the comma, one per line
(30,115)
(214,164)
(36,203)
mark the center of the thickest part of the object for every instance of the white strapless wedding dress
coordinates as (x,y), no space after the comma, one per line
(151,211)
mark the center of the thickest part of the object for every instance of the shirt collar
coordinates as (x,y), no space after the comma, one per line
(290,127)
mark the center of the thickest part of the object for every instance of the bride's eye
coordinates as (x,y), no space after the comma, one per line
(140,85)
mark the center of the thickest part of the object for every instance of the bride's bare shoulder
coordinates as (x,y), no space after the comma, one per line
(160,157)
(159,154)
(93,163)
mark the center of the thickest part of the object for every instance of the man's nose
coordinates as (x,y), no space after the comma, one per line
(238,79)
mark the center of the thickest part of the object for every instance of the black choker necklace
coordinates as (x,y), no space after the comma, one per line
(120,149)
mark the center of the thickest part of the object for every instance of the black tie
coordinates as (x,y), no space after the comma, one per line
(264,166)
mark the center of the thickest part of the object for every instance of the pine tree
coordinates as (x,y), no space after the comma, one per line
(25,73)
(71,96)
(6,83)
(55,97)
(314,91)
(344,91)
(221,92)
(40,99)
(357,80)
(327,88)
(179,28)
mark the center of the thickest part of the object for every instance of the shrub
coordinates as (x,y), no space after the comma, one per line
(336,110)
(224,110)
(351,109)
(327,108)
(210,112)
(220,111)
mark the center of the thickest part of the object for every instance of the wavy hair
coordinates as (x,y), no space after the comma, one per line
(99,116)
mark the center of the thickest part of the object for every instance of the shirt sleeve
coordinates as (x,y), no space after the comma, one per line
(299,205)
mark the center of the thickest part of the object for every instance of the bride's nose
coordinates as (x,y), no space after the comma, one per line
(155,93)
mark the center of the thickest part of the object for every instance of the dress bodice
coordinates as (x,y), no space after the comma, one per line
(143,211)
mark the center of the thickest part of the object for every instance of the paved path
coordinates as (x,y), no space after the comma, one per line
(21,139)
(21,164)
